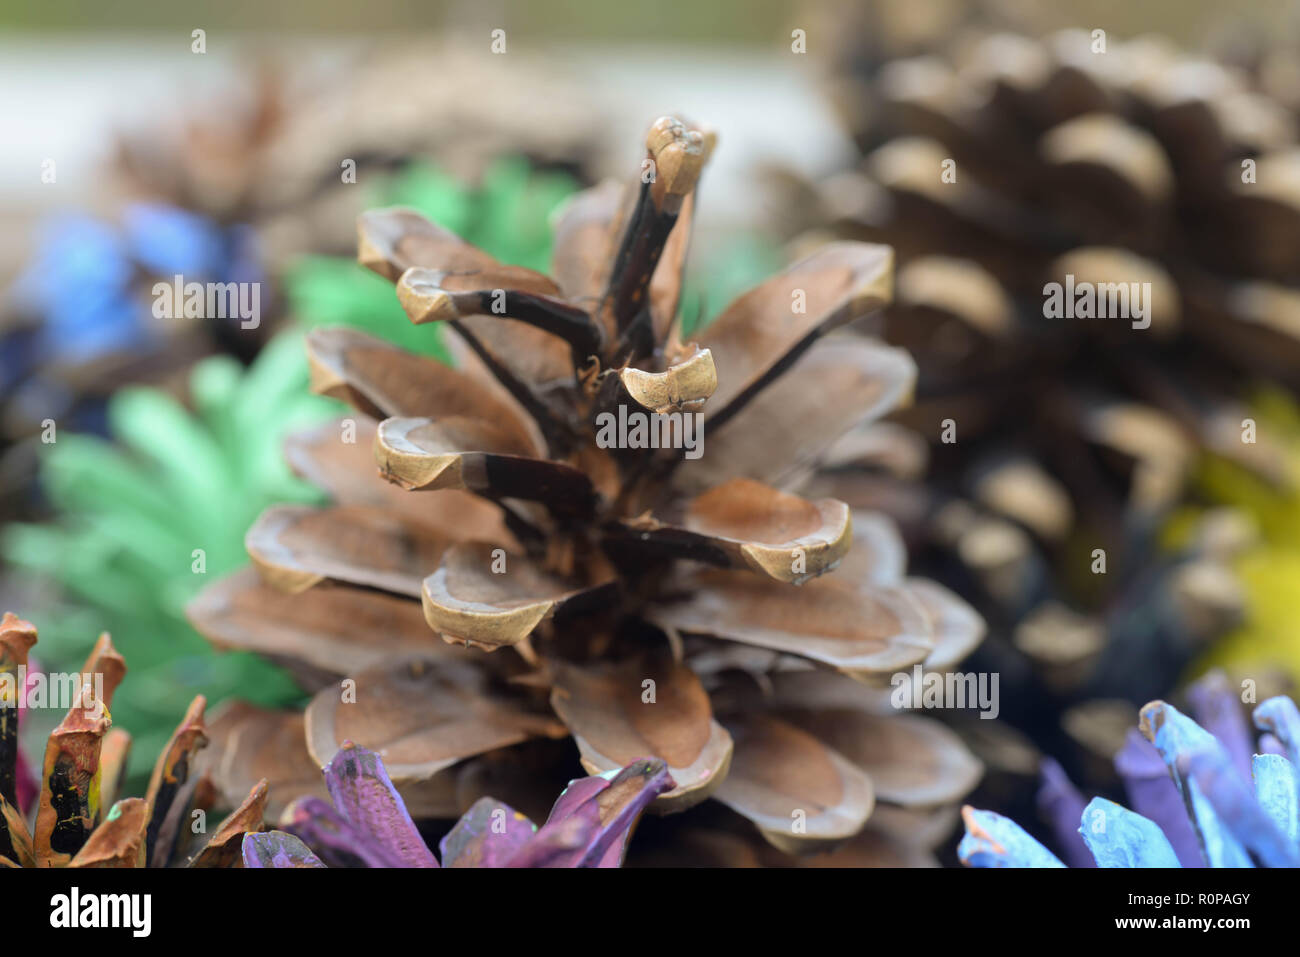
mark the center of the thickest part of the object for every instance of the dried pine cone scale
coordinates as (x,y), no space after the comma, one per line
(515,528)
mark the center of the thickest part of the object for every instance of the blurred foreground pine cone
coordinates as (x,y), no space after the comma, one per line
(72,816)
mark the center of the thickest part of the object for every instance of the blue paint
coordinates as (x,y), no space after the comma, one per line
(995,841)
(1229,822)
(1119,838)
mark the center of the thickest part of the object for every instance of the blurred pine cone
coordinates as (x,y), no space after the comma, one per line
(1005,165)
(645,601)
(276,152)
(176,204)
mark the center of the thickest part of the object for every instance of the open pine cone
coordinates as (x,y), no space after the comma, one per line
(689,608)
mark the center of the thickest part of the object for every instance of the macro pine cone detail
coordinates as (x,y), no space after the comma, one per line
(603,523)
